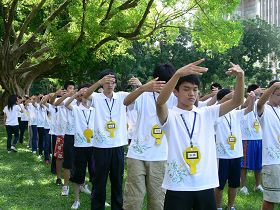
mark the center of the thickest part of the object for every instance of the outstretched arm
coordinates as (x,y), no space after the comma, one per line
(152,86)
(265,96)
(238,95)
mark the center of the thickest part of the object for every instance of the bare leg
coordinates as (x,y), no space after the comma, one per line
(267,205)
(258,177)
(231,196)
(77,191)
(59,167)
(243,177)
(66,177)
(219,197)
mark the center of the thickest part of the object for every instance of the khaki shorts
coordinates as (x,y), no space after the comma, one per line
(271,183)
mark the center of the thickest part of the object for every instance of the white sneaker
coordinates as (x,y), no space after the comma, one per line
(244,190)
(76,205)
(84,189)
(107,204)
(14,148)
(258,188)
(65,191)
(34,152)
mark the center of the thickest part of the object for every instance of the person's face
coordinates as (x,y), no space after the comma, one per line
(187,94)
(275,97)
(70,88)
(109,87)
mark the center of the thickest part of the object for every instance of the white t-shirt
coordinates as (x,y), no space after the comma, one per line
(101,136)
(248,131)
(64,119)
(131,122)
(33,112)
(52,117)
(177,174)
(201,104)
(82,116)
(70,124)
(12,115)
(41,116)
(24,114)
(271,135)
(223,131)
(144,146)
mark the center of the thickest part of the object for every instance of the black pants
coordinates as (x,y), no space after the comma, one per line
(22,127)
(108,162)
(11,129)
(41,139)
(53,163)
(190,200)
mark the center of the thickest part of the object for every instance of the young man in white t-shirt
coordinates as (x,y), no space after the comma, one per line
(269,116)
(83,116)
(192,172)
(252,145)
(109,137)
(229,148)
(60,133)
(147,153)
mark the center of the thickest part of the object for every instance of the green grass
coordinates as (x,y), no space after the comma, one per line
(26,183)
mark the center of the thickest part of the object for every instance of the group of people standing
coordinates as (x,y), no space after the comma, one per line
(182,150)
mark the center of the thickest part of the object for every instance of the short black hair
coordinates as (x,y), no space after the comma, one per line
(87,85)
(106,72)
(272,82)
(68,83)
(252,88)
(217,85)
(192,78)
(164,71)
(222,93)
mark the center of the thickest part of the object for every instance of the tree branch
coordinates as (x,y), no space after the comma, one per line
(28,45)
(82,33)
(49,63)
(107,13)
(23,28)
(126,5)
(37,54)
(103,41)
(140,24)
(8,25)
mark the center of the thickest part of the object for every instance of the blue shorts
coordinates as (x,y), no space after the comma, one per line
(229,170)
(252,150)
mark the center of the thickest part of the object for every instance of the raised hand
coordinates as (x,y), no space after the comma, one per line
(134,81)
(235,70)
(107,79)
(192,68)
(154,85)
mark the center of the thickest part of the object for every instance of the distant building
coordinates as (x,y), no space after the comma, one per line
(268,10)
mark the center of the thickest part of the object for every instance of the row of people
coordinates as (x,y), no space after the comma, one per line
(91,129)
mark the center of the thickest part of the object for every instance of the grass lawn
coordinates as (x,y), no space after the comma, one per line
(26,183)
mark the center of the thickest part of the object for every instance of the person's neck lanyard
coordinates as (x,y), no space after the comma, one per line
(188,130)
(191,154)
(275,113)
(88,133)
(157,132)
(110,109)
(111,125)
(229,123)
(231,139)
(87,120)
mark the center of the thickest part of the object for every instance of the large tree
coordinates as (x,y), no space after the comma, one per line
(38,35)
